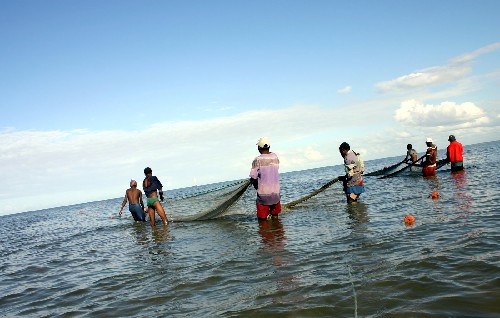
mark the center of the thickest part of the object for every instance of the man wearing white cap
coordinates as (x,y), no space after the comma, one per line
(265,178)
(429,165)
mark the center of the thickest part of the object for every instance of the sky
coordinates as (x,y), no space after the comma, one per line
(92,92)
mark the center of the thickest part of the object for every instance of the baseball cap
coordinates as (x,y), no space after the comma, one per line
(429,140)
(451,138)
(263,142)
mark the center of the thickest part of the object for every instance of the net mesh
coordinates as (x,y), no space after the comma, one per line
(206,204)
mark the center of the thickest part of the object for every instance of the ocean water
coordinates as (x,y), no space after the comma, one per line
(323,258)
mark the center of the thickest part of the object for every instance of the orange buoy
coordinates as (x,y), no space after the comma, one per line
(435,195)
(409,220)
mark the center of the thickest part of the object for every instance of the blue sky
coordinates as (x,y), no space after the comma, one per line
(91,92)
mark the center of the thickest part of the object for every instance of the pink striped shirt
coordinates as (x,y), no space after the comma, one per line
(265,169)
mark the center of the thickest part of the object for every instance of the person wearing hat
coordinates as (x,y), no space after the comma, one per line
(135,203)
(265,178)
(429,165)
(454,154)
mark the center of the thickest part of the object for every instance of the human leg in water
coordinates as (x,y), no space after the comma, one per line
(161,212)
(151,212)
(352,197)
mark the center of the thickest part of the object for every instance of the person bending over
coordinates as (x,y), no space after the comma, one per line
(352,180)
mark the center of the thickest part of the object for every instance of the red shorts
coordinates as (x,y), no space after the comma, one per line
(428,171)
(264,210)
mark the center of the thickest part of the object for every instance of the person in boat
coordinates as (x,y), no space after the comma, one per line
(135,203)
(429,164)
(152,187)
(265,178)
(411,154)
(352,181)
(454,154)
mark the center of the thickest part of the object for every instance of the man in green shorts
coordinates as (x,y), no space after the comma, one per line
(152,186)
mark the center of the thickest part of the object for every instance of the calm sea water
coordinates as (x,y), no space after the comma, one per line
(323,258)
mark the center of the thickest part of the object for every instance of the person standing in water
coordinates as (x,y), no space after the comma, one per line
(352,180)
(135,203)
(429,165)
(454,154)
(411,154)
(152,187)
(265,178)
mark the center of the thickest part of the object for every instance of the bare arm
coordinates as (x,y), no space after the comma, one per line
(140,200)
(123,203)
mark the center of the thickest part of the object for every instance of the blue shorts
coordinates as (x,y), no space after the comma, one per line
(137,212)
(355,189)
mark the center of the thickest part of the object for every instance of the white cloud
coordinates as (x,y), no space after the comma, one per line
(64,167)
(345,90)
(467,57)
(457,69)
(430,76)
(412,112)
(312,154)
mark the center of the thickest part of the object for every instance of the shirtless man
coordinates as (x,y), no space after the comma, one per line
(411,154)
(136,205)
(152,186)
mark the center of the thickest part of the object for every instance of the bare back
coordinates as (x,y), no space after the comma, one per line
(134,195)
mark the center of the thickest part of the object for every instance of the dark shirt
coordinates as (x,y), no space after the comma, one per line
(154,184)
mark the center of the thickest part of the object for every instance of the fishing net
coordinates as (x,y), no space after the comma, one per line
(293,203)
(210,202)
(204,204)
(385,170)
(439,164)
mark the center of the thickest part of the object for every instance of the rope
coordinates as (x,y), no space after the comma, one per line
(307,197)
(439,164)
(384,170)
(354,292)
(401,170)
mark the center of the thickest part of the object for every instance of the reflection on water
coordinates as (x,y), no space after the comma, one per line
(272,234)
(461,194)
(434,183)
(273,246)
(358,213)
(152,239)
